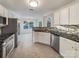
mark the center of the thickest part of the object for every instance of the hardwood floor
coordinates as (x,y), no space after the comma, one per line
(27,49)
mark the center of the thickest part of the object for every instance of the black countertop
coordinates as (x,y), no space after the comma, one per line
(55,31)
(3,37)
(40,29)
(73,37)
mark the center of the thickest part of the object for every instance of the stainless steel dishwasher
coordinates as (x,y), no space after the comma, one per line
(55,42)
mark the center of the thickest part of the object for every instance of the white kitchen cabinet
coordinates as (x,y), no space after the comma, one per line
(77,49)
(74,14)
(5,13)
(1,10)
(44,38)
(45,21)
(67,48)
(10,14)
(35,36)
(57,18)
(41,37)
(64,16)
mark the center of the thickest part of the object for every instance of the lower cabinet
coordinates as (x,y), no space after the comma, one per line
(35,36)
(77,50)
(41,37)
(68,48)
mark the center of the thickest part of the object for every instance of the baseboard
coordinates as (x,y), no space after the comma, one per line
(42,44)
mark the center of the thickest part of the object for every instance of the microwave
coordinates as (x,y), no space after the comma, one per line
(3,21)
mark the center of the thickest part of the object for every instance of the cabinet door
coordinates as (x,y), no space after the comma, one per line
(67,48)
(1,10)
(45,21)
(35,36)
(77,50)
(44,38)
(64,16)
(10,15)
(5,14)
(74,14)
(57,18)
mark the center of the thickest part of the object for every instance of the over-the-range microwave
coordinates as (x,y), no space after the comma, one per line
(3,21)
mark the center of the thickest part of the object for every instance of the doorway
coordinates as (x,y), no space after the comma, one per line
(26,27)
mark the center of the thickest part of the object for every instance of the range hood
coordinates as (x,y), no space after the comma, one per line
(3,21)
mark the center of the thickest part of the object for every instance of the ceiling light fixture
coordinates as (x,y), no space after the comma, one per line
(33,3)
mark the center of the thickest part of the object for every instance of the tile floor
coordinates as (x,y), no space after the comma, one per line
(27,49)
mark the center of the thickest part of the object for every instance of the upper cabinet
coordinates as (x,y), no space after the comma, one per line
(74,14)
(45,21)
(77,50)
(11,14)
(1,10)
(5,13)
(64,16)
(57,18)
(67,16)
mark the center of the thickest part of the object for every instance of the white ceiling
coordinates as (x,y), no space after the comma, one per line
(21,6)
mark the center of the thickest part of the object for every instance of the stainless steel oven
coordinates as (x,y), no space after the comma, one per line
(8,46)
